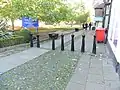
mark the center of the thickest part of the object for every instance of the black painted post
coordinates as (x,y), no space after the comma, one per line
(31,40)
(72,43)
(38,41)
(83,44)
(117,66)
(53,43)
(106,36)
(62,42)
(94,45)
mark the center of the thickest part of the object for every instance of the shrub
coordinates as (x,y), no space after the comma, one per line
(11,41)
(26,34)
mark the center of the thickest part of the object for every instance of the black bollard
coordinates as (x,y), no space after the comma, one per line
(31,40)
(72,43)
(62,42)
(38,41)
(53,43)
(83,44)
(94,45)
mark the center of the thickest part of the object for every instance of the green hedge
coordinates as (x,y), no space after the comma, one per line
(25,34)
(11,41)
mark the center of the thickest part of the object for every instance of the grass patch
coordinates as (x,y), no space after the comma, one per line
(53,28)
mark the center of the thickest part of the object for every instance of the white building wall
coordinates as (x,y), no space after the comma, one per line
(114,29)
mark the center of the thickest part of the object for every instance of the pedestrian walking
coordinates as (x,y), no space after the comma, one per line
(86,26)
(83,26)
(90,25)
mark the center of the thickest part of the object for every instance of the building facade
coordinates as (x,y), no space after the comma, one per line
(99,13)
(112,23)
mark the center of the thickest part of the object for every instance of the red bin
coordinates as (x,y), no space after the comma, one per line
(100,34)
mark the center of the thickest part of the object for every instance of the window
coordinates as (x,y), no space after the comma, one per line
(107,9)
(99,12)
(106,21)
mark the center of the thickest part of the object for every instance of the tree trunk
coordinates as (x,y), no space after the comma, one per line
(71,24)
(12,21)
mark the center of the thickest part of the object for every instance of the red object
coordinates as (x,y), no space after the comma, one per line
(100,35)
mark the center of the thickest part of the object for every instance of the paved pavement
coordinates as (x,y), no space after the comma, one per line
(56,70)
(94,72)
(14,60)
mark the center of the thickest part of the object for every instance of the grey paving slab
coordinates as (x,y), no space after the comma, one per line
(94,86)
(9,62)
(99,66)
(81,71)
(111,76)
(80,78)
(83,66)
(89,42)
(100,48)
(74,86)
(96,60)
(85,58)
(112,88)
(96,71)
(108,69)
(95,79)
(112,85)
(107,62)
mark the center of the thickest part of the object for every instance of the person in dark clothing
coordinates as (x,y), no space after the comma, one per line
(90,25)
(86,26)
(83,26)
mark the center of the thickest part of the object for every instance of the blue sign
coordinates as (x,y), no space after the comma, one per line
(29,22)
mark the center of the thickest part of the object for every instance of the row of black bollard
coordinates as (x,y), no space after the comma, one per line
(31,41)
(72,44)
(62,43)
(82,46)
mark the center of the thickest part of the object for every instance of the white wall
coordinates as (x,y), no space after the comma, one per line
(114,29)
